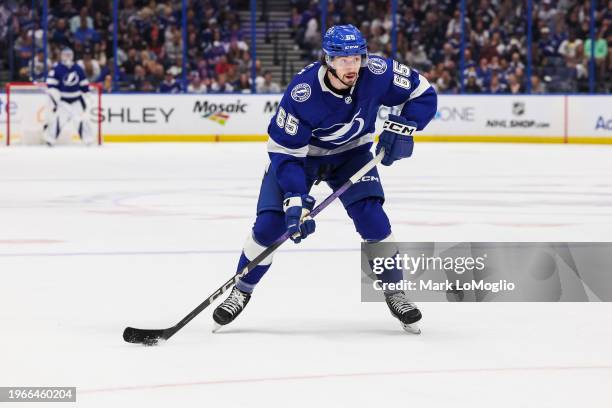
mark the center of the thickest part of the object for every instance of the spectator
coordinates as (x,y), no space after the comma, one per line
(107,85)
(547,45)
(537,87)
(515,62)
(601,48)
(173,48)
(220,85)
(268,86)
(5,22)
(39,66)
(222,67)
(130,63)
(139,78)
(170,84)
(483,72)
(496,86)
(568,47)
(514,86)
(472,87)
(23,49)
(416,56)
(196,85)
(61,35)
(446,83)
(547,13)
(243,85)
(85,35)
(312,34)
(90,66)
(99,53)
(77,23)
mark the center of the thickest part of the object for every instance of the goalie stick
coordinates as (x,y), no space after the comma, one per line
(151,337)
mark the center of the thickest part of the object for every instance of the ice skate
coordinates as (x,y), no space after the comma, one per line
(405,311)
(231,307)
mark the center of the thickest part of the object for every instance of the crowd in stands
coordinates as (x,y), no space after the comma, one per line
(496,45)
(150,42)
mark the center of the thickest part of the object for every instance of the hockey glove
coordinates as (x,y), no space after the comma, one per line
(297,209)
(396,138)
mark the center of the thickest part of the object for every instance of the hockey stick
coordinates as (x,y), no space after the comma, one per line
(151,337)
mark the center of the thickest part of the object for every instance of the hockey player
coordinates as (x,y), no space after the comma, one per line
(68,90)
(323,130)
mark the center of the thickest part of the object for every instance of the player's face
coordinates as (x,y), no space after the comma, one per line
(347,68)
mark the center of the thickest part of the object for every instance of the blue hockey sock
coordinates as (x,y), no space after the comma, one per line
(247,283)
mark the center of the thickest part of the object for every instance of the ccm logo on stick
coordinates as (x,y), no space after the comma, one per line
(398,128)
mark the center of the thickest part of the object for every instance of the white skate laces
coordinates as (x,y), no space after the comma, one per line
(399,302)
(405,311)
(235,301)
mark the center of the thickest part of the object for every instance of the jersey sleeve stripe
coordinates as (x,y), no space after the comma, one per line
(320,151)
(423,86)
(274,147)
(52,81)
(84,82)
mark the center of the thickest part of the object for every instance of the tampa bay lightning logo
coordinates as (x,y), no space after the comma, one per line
(377,66)
(71,79)
(301,92)
(341,132)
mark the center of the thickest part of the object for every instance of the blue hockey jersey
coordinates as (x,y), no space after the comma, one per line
(312,121)
(70,81)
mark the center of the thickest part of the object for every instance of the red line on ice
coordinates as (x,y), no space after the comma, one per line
(342,375)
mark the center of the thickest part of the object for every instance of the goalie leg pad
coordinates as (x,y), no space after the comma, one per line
(51,130)
(86,131)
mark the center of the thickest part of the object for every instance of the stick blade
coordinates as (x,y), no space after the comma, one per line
(144,336)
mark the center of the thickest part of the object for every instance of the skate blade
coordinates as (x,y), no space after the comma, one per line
(216,327)
(411,328)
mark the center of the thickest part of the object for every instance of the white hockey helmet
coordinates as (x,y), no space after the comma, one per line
(67,57)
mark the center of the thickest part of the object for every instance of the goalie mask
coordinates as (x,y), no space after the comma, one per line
(67,57)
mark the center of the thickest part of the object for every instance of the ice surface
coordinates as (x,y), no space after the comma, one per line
(95,239)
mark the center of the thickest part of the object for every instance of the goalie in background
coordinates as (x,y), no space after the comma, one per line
(68,90)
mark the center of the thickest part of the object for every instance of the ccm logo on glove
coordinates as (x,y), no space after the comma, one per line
(399,128)
(396,138)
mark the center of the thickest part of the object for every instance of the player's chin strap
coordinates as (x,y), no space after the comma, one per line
(332,70)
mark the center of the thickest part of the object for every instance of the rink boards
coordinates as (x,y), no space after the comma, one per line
(243,117)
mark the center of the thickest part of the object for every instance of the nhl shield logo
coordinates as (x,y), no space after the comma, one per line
(301,92)
(377,66)
(518,108)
